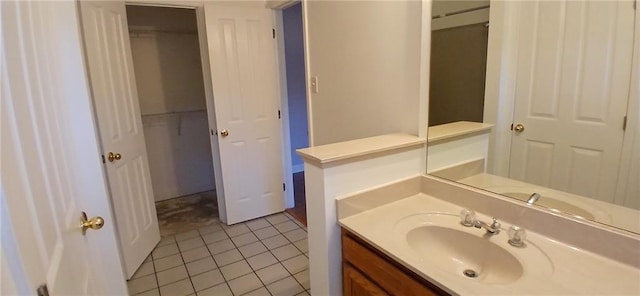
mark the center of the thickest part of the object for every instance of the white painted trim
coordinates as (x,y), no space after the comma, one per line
(324,185)
(425,64)
(500,83)
(631,139)
(307,74)
(452,153)
(211,112)
(287,174)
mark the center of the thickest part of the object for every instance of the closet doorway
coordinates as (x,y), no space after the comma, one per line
(170,84)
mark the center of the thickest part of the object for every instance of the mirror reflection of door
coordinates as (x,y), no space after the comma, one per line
(555,95)
(571,95)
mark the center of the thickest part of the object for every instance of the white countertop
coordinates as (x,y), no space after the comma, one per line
(455,129)
(604,212)
(324,154)
(573,271)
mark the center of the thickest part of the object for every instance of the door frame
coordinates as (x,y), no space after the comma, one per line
(287,166)
(198,6)
(631,138)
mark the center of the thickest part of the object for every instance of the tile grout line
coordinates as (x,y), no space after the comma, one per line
(214,260)
(237,248)
(185,263)
(300,225)
(294,245)
(154,273)
(268,250)
(245,258)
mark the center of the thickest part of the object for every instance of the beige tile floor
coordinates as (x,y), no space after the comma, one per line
(265,256)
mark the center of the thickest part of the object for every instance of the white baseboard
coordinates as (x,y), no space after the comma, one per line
(296,168)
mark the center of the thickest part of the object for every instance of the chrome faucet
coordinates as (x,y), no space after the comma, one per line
(533,198)
(493,228)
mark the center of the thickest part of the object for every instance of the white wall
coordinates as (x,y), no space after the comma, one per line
(179,154)
(166,57)
(324,185)
(367,57)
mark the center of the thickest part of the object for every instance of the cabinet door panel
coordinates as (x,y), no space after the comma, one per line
(379,271)
(356,284)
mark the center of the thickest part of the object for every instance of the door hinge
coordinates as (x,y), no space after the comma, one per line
(42,290)
(624,123)
(635,4)
(284,187)
(103,160)
(279,114)
(274,33)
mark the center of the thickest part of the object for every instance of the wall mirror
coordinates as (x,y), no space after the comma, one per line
(538,101)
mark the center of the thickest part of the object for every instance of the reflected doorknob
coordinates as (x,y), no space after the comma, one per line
(113,156)
(224,133)
(94,223)
(519,128)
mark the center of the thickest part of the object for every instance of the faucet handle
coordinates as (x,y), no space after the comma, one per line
(517,236)
(495,224)
(467,217)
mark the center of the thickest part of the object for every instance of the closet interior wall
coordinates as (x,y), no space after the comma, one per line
(166,58)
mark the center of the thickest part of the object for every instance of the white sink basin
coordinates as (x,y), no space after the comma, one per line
(554,204)
(458,251)
(441,241)
(557,201)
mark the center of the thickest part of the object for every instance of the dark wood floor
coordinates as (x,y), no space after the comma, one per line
(300,210)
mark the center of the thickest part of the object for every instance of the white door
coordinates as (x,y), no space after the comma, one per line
(573,75)
(112,79)
(51,169)
(242,54)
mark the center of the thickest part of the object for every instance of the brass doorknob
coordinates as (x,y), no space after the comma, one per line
(519,128)
(224,133)
(94,223)
(111,157)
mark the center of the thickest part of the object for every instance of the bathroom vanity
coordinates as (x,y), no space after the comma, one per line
(415,244)
(399,232)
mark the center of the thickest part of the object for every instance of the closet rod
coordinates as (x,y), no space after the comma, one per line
(143,31)
(461,11)
(175,113)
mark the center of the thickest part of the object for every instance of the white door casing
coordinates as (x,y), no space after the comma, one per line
(112,78)
(572,85)
(211,113)
(243,71)
(50,160)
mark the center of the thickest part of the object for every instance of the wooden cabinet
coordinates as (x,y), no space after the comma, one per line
(367,272)
(357,284)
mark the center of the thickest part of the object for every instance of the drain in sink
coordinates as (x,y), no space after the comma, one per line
(470,273)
